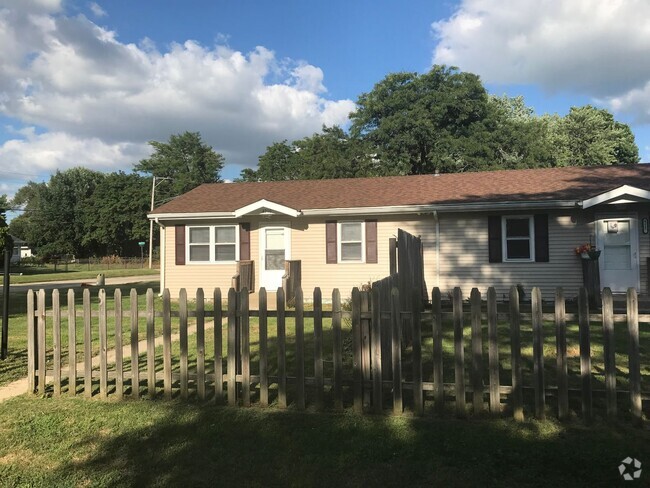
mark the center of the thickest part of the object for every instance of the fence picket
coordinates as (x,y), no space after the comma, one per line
(585,353)
(167,346)
(135,353)
(88,351)
(151,349)
(515,352)
(282,351)
(477,351)
(418,393)
(300,350)
(438,386)
(357,375)
(318,347)
(56,339)
(183,342)
(459,352)
(246,348)
(396,326)
(218,345)
(337,353)
(538,353)
(377,393)
(72,344)
(493,351)
(119,363)
(200,344)
(232,346)
(264,352)
(561,362)
(633,359)
(103,345)
(365,347)
(609,352)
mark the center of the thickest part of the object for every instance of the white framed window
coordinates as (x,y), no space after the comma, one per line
(208,244)
(518,237)
(352,242)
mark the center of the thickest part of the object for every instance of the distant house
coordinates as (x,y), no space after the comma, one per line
(496,228)
(21,250)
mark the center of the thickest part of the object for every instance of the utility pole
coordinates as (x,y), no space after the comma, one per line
(5,303)
(153,196)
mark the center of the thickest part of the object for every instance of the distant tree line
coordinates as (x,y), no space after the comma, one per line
(409,123)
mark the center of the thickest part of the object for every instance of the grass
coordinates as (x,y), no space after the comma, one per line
(76,442)
(74,272)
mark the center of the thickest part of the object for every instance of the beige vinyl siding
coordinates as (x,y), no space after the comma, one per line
(464,260)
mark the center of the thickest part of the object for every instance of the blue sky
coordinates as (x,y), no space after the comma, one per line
(89,83)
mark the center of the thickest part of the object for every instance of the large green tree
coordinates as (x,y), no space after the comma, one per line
(186,160)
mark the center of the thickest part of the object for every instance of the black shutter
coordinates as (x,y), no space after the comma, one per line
(541,238)
(180,244)
(494,239)
(330,242)
(371,241)
(244,241)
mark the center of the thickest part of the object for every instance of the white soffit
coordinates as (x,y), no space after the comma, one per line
(622,194)
(266,205)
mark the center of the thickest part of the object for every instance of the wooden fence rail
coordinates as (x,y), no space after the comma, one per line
(343,358)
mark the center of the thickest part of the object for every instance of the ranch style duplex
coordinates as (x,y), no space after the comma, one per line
(496,228)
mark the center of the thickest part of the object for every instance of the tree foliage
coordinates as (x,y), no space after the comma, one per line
(186,160)
(5,239)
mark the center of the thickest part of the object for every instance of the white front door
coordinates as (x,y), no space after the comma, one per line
(275,248)
(617,238)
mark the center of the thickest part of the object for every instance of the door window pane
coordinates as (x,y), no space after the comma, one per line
(275,239)
(618,257)
(274,260)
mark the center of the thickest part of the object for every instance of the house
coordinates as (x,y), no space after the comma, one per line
(21,250)
(495,228)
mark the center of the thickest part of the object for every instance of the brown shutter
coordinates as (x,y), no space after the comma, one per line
(541,238)
(244,241)
(330,242)
(371,241)
(494,239)
(180,244)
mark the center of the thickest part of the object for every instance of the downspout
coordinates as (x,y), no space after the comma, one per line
(163,238)
(437,221)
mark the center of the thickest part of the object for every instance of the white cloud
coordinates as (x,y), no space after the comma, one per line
(97,10)
(594,47)
(100,100)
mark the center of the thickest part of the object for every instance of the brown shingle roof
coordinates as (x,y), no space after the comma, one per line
(571,183)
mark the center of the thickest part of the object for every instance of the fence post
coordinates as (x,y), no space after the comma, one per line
(634,364)
(200,344)
(88,352)
(135,353)
(357,375)
(477,351)
(365,348)
(585,353)
(318,347)
(515,351)
(300,350)
(418,393)
(282,350)
(246,348)
(459,352)
(151,349)
(337,353)
(183,341)
(264,354)
(119,363)
(396,325)
(493,351)
(377,393)
(32,343)
(538,353)
(609,352)
(438,385)
(392,255)
(72,344)
(103,345)
(167,344)
(232,346)
(561,364)
(218,345)
(56,336)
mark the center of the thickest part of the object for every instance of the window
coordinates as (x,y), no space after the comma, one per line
(212,244)
(518,238)
(351,242)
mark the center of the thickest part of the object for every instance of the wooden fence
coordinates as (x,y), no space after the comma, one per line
(355,361)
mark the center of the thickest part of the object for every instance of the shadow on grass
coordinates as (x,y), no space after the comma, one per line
(192,445)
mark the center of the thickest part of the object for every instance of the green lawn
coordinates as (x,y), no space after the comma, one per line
(76,442)
(79,272)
